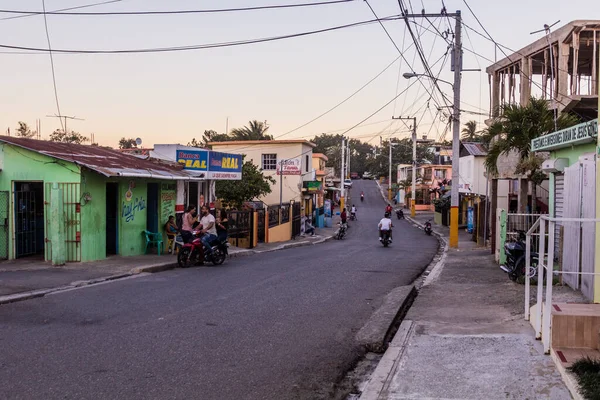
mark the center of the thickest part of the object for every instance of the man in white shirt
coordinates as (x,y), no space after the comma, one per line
(385,225)
(208,228)
(353,211)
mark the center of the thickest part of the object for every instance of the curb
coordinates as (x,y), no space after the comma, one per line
(159,267)
(388,365)
(567,377)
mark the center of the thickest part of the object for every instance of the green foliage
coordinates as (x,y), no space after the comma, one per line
(70,137)
(470,132)
(401,154)
(255,130)
(442,204)
(253,184)
(24,131)
(127,143)
(587,371)
(517,126)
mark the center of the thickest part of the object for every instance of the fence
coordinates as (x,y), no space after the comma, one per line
(582,273)
(296,219)
(274,216)
(510,224)
(241,228)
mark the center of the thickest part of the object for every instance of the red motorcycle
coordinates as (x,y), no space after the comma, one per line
(193,253)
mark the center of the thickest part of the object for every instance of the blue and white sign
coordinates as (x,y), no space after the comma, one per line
(470,219)
(194,160)
(225,166)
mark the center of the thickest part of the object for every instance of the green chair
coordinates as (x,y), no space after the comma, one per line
(155,239)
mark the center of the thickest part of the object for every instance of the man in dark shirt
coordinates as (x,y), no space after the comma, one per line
(344,216)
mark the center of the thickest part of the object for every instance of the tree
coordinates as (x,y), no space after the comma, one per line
(255,130)
(514,130)
(470,132)
(253,184)
(127,143)
(24,131)
(401,154)
(210,136)
(64,137)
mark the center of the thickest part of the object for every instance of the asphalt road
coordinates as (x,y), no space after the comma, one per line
(279,325)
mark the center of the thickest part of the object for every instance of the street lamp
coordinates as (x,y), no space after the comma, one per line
(455,134)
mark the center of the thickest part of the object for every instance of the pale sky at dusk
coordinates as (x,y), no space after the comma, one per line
(173,97)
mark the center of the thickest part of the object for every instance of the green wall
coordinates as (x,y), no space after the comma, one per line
(93,216)
(168,197)
(133,204)
(572,153)
(23,165)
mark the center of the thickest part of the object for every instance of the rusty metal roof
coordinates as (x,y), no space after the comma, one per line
(475,149)
(105,161)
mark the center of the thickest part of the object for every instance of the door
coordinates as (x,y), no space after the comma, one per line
(4,225)
(571,230)
(29,218)
(588,229)
(152,210)
(112,212)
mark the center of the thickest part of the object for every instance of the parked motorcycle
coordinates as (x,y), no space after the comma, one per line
(400,213)
(428,227)
(385,238)
(341,231)
(194,253)
(515,258)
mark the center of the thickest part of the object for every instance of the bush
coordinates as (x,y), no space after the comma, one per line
(587,371)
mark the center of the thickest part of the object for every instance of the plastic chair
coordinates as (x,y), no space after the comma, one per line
(155,239)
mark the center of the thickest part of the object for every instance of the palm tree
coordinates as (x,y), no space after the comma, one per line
(470,132)
(254,131)
(514,130)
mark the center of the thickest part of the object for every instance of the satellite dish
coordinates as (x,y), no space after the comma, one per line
(138,141)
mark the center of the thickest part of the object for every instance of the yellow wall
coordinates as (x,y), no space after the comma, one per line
(292,184)
(280,233)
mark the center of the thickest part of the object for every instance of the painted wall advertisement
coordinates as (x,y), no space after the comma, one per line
(225,166)
(290,166)
(194,160)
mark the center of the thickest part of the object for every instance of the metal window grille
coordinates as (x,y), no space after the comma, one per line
(269,162)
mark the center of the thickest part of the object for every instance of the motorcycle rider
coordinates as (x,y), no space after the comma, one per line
(353,212)
(385,225)
(388,209)
(362,196)
(208,229)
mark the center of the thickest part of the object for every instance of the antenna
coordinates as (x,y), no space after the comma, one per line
(138,141)
(65,117)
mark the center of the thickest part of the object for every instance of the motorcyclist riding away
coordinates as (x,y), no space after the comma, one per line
(353,211)
(388,209)
(385,225)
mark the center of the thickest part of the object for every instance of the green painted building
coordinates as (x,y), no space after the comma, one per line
(69,203)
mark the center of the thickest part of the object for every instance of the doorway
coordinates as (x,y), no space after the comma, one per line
(152,210)
(29,218)
(193,195)
(112,213)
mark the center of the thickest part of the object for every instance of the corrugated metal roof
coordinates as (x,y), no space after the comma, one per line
(107,162)
(475,149)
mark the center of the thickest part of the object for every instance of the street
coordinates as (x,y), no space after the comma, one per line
(279,325)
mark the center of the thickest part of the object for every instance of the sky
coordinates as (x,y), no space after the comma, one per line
(173,97)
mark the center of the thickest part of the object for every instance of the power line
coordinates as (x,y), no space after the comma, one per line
(201,46)
(175,12)
(52,65)
(63,9)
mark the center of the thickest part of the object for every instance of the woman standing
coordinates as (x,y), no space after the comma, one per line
(187,225)
(222,226)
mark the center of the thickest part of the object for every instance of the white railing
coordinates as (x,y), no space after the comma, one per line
(545,264)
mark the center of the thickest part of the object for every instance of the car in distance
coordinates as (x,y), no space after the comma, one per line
(367,175)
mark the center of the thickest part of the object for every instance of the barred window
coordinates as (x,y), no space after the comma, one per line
(269,162)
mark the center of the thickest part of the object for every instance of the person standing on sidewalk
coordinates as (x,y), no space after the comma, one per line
(344,216)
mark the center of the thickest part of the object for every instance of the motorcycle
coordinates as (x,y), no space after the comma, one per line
(428,227)
(194,253)
(341,231)
(352,216)
(515,258)
(362,198)
(400,213)
(385,238)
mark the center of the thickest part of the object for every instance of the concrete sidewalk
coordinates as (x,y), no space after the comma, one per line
(32,277)
(465,338)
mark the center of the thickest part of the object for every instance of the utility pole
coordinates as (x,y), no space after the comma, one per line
(456,133)
(413,190)
(390,171)
(342,188)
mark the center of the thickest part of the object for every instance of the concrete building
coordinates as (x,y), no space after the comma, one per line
(289,162)
(71,203)
(404,172)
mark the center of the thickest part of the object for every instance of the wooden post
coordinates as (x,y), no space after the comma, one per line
(575,74)
(595,66)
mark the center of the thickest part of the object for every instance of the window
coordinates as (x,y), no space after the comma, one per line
(307,163)
(440,173)
(269,162)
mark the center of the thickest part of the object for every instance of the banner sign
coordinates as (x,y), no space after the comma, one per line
(225,166)
(327,208)
(194,160)
(290,166)
(313,186)
(581,133)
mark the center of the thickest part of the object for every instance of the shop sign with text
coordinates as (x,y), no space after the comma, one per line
(290,166)
(225,166)
(194,160)
(582,133)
